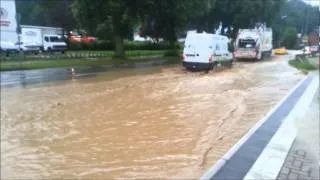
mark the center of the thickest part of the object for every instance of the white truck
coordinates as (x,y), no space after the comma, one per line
(45,38)
(8,26)
(253,43)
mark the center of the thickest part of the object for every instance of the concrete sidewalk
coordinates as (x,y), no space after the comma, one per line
(302,161)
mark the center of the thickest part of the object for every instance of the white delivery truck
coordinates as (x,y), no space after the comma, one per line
(205,51)
(46,38)
(8,26)
(253,43)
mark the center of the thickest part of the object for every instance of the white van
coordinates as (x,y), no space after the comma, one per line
(205,51)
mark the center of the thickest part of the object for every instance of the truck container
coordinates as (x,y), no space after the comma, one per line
(253,43)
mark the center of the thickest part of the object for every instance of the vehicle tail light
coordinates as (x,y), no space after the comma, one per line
(183,56)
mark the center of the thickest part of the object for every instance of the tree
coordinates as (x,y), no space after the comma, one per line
(245,13)
(290,37)
(168,18)
(297,14)
(117,16)
(46,13)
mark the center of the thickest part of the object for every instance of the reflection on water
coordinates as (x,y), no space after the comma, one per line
(160,124)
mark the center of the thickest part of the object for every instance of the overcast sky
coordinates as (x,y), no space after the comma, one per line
(313,2)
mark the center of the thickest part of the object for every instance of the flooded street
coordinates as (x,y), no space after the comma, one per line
(140,123)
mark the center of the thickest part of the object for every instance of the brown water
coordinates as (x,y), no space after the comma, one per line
(166,124)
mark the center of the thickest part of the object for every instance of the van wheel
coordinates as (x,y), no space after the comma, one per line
(230,64)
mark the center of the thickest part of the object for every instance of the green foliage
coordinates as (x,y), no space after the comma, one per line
(290,37)
(302,64)
(297,14)
(46,13)
(168,18)
(115,20)
(172,53)
(128,45)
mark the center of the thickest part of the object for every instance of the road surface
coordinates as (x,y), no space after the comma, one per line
(161,122)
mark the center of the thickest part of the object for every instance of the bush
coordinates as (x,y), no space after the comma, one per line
(172,53)
(290,38)
(302,64)
(128,45)
(99,45)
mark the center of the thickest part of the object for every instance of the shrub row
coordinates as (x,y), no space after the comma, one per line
(128,45)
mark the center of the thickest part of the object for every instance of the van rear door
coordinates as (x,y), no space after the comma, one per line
(197,49)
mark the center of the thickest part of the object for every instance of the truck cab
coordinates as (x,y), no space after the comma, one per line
(54,43)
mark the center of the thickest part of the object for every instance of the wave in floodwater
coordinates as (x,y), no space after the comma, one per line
(165,124)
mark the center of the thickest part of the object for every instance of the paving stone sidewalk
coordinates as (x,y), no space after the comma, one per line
(299,164)
(302,161)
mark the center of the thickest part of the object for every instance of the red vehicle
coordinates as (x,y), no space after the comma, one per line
(80,36)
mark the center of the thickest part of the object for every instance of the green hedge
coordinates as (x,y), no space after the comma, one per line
(129,45)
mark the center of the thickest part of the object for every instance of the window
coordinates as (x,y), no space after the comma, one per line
(217,47)
(247,43)
(55,39)
(46,39)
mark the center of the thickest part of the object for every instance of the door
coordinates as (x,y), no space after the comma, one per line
(197,50)
(46,43)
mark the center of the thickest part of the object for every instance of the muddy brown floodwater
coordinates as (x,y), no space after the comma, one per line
(166,124)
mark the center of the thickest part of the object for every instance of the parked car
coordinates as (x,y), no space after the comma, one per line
(314,49)
(306,50)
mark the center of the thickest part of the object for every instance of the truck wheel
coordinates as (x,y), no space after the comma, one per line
(49,50)
(41,50)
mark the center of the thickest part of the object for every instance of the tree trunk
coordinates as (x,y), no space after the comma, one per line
(117,37)
(118,46)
